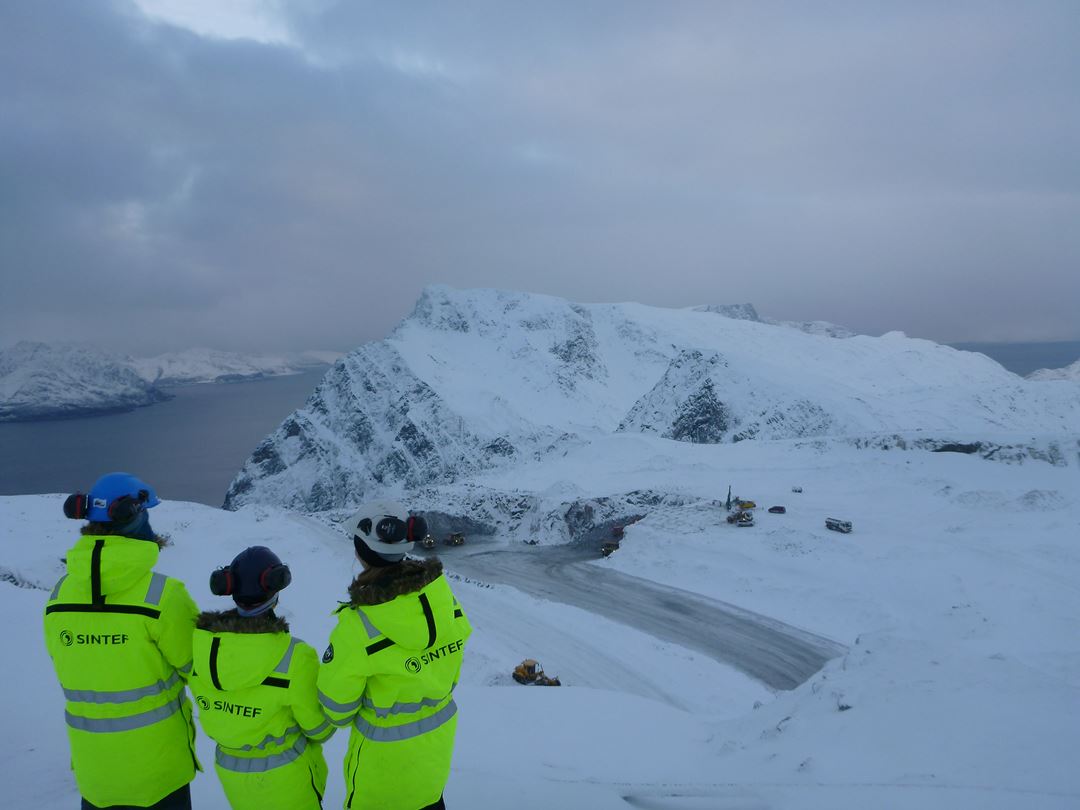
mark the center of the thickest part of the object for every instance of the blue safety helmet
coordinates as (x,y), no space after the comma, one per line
(130,492)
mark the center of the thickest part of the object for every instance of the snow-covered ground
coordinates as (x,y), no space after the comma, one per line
(1070,372)
(957,598)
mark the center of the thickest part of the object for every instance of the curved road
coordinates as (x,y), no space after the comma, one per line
(777,654)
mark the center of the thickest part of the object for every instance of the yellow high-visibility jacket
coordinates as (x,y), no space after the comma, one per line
(119,635)
(254,685)
(389,672)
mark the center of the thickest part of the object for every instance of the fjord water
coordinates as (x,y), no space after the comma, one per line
(188,448)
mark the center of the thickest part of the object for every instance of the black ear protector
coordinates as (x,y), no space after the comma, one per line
(221,582)
(125,508)
(75,506)
(395,530)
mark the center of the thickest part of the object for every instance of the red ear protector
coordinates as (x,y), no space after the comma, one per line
(221,582)
(275,578)
(417,528)
(271,580)
(75,506)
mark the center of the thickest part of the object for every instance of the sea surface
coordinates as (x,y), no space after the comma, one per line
(188,449)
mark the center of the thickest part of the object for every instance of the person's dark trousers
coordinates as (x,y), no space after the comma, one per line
(437,806)
(177,800)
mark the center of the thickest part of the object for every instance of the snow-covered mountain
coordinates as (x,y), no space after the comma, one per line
(50,381)
(481,380)
(747,312)
(41,381)
(1070,372)
(211,365)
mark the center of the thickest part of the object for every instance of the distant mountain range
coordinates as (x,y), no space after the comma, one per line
(45,381)
(483,382)
(212,366)
(1071,373)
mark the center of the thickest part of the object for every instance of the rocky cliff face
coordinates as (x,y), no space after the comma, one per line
(371,424)
(481,385)
(701,399)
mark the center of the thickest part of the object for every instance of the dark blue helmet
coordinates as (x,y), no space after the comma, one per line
(255,575)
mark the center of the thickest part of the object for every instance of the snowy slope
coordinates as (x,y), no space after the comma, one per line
(956,598)
(477,380)
(210,365)
(747,312)
(39,381)
(1070,373)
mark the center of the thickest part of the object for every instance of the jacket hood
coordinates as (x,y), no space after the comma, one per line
(230,621)
(383,584)
(123,561)
(244,657)
(395,602)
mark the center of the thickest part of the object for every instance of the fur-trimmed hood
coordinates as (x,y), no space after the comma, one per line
(230,621)
(233,652)
(377,586)
(410,603)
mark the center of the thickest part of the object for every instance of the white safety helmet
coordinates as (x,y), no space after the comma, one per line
(384,532)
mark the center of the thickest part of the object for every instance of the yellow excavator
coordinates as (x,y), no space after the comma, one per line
(529,671)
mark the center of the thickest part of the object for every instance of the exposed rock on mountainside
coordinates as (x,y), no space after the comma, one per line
(39,381)
(370,423)
(479,383)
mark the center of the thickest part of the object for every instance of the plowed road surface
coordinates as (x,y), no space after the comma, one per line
(775,653)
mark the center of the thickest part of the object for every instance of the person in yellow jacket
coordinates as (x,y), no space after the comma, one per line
(254,684)
(392,665)
(119,635)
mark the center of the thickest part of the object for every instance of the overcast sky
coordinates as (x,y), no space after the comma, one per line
(284,175)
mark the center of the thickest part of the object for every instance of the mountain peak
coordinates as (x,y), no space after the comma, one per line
(475,381)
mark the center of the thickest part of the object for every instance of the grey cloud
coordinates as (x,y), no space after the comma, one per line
(880,165)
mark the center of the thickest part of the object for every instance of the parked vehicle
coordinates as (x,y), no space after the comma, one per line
(741,518)
(529,671)
(796,489)
(777,510)
(843,526)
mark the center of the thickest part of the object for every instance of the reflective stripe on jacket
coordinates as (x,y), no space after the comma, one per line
(389,673)
(257,699)
(119,635)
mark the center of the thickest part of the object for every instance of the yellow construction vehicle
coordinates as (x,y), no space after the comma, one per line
(530,672)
